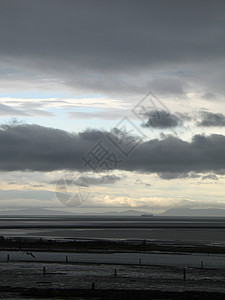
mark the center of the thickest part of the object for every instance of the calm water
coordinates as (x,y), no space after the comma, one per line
(169,229)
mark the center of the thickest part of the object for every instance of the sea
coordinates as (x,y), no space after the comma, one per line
(174,230)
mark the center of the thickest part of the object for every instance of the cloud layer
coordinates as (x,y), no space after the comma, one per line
(109,45)
(212,119)
(162,119)
(37,148)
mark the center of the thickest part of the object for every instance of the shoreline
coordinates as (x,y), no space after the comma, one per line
(78,245)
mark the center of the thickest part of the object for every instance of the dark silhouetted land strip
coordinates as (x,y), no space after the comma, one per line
(27,244)
(107,294)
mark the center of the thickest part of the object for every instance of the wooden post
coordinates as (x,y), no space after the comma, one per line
(139,261)
(7,257)
(93,286)
(115,272)
(184,273)
(44,271)
(202,264)
(67,259)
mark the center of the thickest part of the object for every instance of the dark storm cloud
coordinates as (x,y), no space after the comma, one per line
(89,42)
(209,119)
(32,147)
(161,119)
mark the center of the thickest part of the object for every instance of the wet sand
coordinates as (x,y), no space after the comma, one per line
(148,255)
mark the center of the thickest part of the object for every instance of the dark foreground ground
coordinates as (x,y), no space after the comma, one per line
(47,293)
(76,258)
(61,280)
(37,268)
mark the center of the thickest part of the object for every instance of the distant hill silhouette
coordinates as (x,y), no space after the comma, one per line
(189,212)
(129,212)
(36,211)
(33,212)
(179,212)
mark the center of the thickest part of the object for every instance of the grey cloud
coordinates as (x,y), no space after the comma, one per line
(193,175)
(140,181)
(209,119)
(26,195)
(24,111)
(172,86)
(202,154)
(172,175)
(106,114)
(87,180)
(221,172)
(39,112)
(162,119)
(210,176)
(103,45)
(105,179)
(8,110)
(209,95)
(27,104)
(32,147)
(180,175)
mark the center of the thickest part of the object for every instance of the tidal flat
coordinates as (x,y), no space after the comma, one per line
(38,258)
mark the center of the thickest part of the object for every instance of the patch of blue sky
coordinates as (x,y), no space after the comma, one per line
(85,96)
(72,124)
(60,122)
(37,94)
(33,94)
(59,111)
(87,109)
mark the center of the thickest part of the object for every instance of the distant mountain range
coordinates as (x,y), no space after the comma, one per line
(189,212)
(176,212)
(36,211)
(129,212)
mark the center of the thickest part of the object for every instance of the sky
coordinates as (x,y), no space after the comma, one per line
(112,105)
